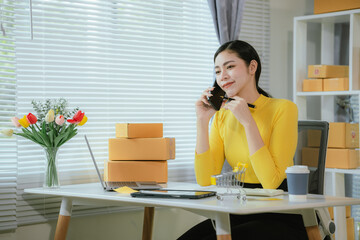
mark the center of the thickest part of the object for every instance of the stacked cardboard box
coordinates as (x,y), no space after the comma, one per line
(341,152)
(139,153)
(324,6)
(326,78)
(350,229)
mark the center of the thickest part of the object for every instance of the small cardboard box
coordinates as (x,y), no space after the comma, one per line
(139,130)
(141,149)
(336,84)
(350,229)
(335,158)
(324,6)
(328,71)
(313,85)
(153,171)
(347,211)
(341,135)
(310,156)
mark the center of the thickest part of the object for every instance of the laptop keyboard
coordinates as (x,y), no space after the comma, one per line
(122,184)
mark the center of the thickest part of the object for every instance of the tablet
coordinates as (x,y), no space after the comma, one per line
(172,193)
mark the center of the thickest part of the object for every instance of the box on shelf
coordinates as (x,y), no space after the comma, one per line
(141,148)
(313,85)
(341,135)
(336,84)
(347,211)
(139,130)
(328,71)
(324,6)
(350,229)
(335,158)
(154,171)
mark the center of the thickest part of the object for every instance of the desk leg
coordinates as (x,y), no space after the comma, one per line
(148,223)
(223,230)
(338,183)
(64,219)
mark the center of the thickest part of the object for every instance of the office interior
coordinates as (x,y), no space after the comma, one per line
(171,223)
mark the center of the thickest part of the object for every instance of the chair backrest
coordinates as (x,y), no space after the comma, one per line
(311,151)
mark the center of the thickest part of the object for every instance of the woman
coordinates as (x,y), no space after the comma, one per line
(264,137)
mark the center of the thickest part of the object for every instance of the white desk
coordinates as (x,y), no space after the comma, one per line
(209,207)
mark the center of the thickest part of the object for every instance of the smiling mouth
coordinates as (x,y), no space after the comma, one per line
(226,85)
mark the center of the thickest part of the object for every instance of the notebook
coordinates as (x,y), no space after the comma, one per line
(263,192)
(110,186)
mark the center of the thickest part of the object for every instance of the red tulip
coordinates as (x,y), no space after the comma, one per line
(31,118)
(77,117)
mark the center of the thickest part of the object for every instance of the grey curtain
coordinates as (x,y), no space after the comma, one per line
(227,15)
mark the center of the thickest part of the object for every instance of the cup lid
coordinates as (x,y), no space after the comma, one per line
(297,169)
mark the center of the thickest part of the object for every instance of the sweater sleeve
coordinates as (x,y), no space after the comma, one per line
(210,162)
(270,162)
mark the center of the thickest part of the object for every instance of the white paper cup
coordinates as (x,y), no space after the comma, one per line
(297,181)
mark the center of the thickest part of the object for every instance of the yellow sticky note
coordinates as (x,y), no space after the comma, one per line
(269,199)
(125,190)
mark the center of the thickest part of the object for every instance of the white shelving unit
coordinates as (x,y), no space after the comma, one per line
(306,52)
(314,43)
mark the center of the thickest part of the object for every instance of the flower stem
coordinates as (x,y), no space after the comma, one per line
(51,175)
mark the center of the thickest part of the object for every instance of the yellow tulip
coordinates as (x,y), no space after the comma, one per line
(24,122)
(7,132)
(83,121)
(50,116)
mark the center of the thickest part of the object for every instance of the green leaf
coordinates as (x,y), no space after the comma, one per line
(57,140)
(43,127)
(24,135)
(27,133)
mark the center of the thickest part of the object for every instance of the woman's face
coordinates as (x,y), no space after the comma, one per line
(233,75)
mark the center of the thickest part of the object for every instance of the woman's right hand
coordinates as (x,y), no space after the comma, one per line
(204,110)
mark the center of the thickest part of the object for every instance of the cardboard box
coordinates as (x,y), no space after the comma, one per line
(141,149)
(313,85)
(139,130)
(335,158)
(117,171)
(341,135)
(347,212)
(328,71)
(350,229)
(324,6)
(336,84)
(313,138)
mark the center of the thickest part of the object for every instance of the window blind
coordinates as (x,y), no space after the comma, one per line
(8,169)
(118,61)
(255,29)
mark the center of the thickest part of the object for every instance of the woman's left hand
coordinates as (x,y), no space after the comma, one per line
(240,109)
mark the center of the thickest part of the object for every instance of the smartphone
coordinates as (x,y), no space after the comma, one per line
(218,96)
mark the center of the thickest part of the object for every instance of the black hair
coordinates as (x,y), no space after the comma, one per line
(247,53)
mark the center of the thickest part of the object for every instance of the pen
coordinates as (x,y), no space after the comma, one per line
(230,99)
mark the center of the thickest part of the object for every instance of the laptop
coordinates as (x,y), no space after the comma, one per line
(110,186)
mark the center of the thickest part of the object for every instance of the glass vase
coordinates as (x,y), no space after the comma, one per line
(51,177)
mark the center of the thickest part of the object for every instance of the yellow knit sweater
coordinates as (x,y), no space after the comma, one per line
(277,121)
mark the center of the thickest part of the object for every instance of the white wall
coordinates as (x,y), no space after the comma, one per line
(282,13)
(170,223)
